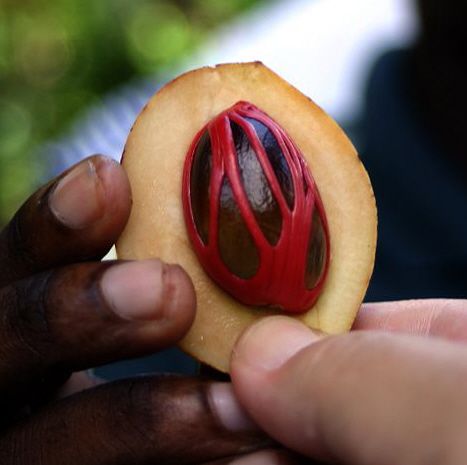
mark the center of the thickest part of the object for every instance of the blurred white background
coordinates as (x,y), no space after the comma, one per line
(323,47)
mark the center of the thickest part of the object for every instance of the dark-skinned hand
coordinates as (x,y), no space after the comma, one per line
(63,311)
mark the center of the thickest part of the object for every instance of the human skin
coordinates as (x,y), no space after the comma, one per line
(63,311)
(372,396)
(391,392)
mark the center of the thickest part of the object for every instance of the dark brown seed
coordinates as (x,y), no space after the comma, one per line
(316,256)
(199,186)
(236,246)
(261,199)
(277,159)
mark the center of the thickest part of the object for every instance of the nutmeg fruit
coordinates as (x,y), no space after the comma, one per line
(259,195)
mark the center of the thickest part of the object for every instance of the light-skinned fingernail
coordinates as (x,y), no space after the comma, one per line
(138,290)
(227,410)
(78,199)
(267,345)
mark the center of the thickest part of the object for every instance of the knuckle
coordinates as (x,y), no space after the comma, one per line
(25,324)
(18,253)
(131,427)
(139,411)
(28,241)
(13,449)
(157,412)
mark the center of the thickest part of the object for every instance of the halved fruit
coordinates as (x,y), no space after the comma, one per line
(154,159)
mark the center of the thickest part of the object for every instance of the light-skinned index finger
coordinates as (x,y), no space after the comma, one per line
(445,318)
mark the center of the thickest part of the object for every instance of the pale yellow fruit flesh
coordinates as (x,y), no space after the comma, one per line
(154,158)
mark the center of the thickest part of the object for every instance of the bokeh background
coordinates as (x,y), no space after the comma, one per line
(58,57)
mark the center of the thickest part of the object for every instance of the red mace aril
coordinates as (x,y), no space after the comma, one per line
(253,211)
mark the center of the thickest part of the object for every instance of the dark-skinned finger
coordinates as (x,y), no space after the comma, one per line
(445,318)
(85,315)
(76,217)
(163,420)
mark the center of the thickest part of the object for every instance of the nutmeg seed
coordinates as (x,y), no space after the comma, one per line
(253,211)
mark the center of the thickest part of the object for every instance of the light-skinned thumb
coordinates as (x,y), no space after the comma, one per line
(360,398)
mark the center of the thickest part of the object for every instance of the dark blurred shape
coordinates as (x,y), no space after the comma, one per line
(443,23)
(168,361)
(413,140)
(440,73)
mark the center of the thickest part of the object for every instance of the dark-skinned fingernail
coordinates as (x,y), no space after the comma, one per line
(139,290)
(77,201)
(227,410)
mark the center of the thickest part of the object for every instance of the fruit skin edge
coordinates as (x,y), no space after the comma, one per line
(224,85)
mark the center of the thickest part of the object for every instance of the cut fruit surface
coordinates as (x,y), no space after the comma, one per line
(154,159)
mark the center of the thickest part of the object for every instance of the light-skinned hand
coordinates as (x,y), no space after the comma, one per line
(391,392)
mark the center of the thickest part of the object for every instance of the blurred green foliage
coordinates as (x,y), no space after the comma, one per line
(58,56)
